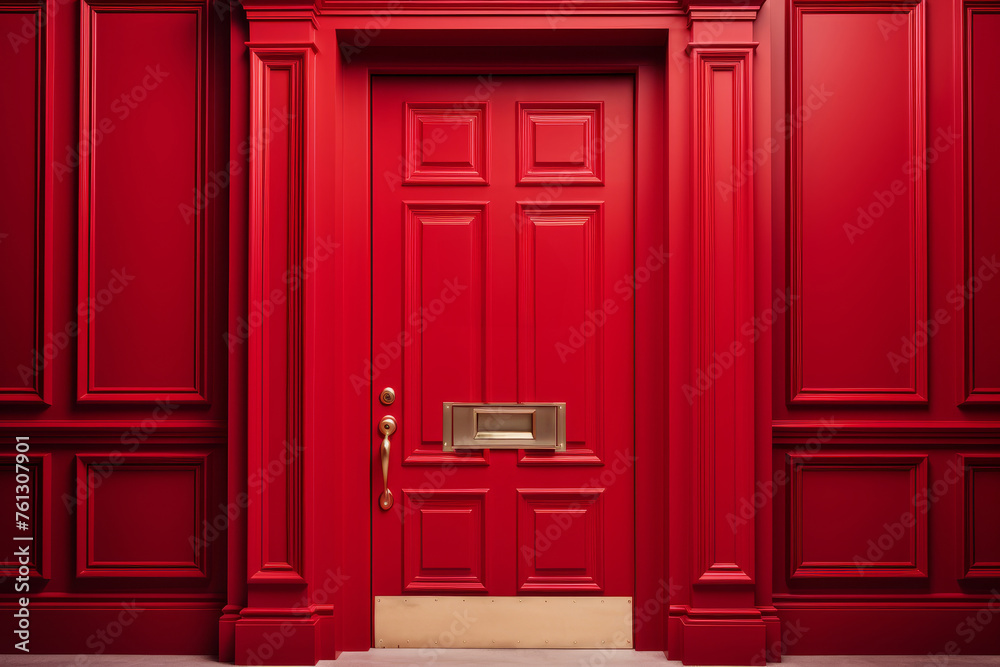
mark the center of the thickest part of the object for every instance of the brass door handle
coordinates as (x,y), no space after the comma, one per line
(386,427)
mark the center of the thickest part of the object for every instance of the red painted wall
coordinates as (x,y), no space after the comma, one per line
(819,368)
(885,407)
(113,248)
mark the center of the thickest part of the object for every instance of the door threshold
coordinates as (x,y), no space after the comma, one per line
(485,656)
(449,621)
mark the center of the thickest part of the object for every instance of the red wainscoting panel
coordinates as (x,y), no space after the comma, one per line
(444,540)
(879,492)
(982,173)
(39,494)
(25,235)
(138,515)
(857,203)
(723,301)
(981,516)
(142,263)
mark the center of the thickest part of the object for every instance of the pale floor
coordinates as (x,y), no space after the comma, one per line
(486,658)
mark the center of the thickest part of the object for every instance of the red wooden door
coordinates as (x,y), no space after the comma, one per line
(502,255)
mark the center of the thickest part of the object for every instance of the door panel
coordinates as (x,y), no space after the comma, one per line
(502,253)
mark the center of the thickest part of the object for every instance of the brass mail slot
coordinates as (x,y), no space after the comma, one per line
(505,426)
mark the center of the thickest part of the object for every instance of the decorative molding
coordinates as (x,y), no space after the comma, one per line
(723,298)
(546,8)
(87,389)
(971,465)
(799,568)
(916,391)
(972,393)
(40,513)
(881,602)
(40,390)
(907,434)
(278,219)
(92,472)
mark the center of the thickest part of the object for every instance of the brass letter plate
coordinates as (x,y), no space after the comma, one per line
(505,426)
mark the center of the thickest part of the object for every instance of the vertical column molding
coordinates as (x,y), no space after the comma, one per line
(279,506)
(724,419)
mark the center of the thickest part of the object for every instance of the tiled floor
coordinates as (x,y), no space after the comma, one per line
(486,658)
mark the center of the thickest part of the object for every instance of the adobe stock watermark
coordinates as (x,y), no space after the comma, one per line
(791,634)
(545,539)
(219,181)
(293,280)
(899,529)
(85,311)
(100,640)
(883,200)
(429,144)
(751,331)
(420,320)
(765,490)
(122,107)
(758,157)
(274,641)
(968,629)
(643,614)
(214,528)
(133,437)
(957,297)
(624,289)
(30,29)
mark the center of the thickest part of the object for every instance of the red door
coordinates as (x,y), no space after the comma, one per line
(503,255)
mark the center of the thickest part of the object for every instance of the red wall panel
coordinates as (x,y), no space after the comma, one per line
(982,172)
(109,267)
(142,254)
(887,534)
(857,203)
(25,234)
(980,517)
(143,518)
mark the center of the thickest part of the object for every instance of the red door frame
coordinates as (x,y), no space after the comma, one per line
(307,553)
(649,233)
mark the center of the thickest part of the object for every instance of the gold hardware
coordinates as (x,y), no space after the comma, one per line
(507,622)
(387,396)
(504,426)
(386,427)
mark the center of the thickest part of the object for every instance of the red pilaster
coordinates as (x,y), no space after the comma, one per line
(280,624)
(721,623)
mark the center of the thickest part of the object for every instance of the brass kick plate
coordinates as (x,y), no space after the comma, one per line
(505,426)
(451,621)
